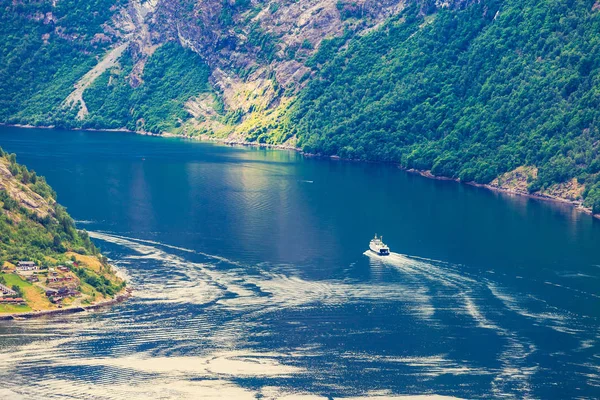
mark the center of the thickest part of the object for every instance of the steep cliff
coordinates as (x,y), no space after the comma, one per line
(257,55)
(474,94)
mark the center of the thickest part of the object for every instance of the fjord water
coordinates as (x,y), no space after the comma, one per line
(252,279)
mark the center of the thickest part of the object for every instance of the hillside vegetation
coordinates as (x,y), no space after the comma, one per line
(45,47)
(34,227)
(171,76)
(501,92)
(468,94)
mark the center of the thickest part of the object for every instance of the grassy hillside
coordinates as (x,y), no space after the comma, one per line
(34,227)
(468,94)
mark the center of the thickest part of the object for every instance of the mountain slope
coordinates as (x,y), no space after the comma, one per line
(33,227)
(501,92)
(471,94)
(45,48)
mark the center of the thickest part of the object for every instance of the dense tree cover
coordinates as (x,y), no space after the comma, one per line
(171,77)
(100,283)
(26,236)
(468,94)
(45,49)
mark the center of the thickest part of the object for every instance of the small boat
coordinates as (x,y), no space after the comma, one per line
(378,247)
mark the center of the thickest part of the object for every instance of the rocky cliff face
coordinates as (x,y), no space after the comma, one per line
(23,194)
(257,50)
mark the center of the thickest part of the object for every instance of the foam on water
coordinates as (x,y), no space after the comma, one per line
(516,365)
(211,304)
(515,369)
(264,291)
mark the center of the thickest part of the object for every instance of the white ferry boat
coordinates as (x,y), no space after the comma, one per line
(378,247)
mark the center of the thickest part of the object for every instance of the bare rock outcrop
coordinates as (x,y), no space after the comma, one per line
(23,194)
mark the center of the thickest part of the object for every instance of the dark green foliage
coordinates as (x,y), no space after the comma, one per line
(262,42)
(592,197)
(26,236)
(98,282)
(18,290)
(230,9)
(306,44)
(327,50)
(171,77)
(44,51)
(467,94)
(349,9)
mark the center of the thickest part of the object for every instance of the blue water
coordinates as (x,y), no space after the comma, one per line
(252,280)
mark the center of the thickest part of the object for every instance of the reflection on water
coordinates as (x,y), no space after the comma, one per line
(251,281)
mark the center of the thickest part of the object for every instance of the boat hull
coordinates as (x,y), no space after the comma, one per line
(379,252)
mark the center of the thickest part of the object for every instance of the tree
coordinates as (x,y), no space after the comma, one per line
(18,290)
(57,243)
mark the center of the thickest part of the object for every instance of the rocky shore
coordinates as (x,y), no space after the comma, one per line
(578,205)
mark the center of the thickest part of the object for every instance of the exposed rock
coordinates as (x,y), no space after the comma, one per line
(571,190)
(101,38)
(516,180)
(26,197)
(256,51)
(49,18)
(75,99)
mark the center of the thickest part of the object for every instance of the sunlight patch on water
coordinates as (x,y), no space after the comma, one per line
(144,376)
(426,366)
(189,390)
(216,365)
(253,290)
(511,303)
(459,286)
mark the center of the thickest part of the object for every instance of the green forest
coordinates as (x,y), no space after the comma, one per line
(46,240)
(171,76)
(467,94)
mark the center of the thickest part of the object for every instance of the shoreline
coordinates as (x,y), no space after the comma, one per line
(577,205)
(119,298)
(201,138)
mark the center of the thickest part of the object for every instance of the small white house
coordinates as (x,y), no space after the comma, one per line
(26,266)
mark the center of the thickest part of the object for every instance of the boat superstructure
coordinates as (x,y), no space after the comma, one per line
(377,246)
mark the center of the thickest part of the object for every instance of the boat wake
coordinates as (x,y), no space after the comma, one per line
(197,322)
(430,291)
(254,288)
(453,290)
